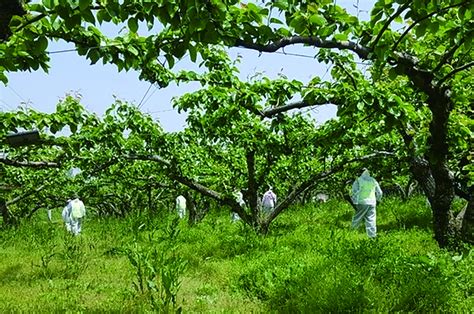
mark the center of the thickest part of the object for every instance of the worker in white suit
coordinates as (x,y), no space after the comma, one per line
(365,194)
(181,206)
(239,197)
(269,200)
(73,214)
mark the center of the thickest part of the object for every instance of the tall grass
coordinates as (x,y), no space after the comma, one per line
(311,261)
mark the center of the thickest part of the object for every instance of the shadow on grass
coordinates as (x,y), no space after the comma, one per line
(420,221)
(11,273)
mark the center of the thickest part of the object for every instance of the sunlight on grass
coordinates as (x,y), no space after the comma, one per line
(311,261)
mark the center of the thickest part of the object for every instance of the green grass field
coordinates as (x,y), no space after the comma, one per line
(309,262)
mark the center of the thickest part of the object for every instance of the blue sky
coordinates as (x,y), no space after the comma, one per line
(99,84)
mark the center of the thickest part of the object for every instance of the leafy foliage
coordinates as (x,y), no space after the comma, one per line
(413,99)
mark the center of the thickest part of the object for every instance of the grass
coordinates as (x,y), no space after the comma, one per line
(309,262)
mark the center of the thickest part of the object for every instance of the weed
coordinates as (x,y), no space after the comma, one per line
(158,268)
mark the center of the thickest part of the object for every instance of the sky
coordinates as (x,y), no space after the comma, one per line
(98,84)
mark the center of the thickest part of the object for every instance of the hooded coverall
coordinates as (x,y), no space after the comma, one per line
(73,214)
(269,200)
(181,206)
(239,197)
(365,194)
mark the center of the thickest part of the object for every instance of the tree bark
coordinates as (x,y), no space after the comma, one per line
(440,107)
(5,213)
(252,187)
(467,225)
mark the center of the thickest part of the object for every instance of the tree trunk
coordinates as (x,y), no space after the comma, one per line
(443,220)
(440,196)
(467,225)
(5,213)
(252,188)
(422,173)
(440,193)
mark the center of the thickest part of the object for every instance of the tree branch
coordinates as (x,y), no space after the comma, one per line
(390,20)
(448,55)
(29,164)
(348,74)
(268,113)
(27,194)
(194,185)
(31,21)
(461,68)
(252,184)
(361,51)
(319,176)
(422,19)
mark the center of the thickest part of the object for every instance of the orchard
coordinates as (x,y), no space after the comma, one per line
(407,114)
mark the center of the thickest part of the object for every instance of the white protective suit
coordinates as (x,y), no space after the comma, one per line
(181,206)
(73,214)
(239,197)
(365,194)
(269,200)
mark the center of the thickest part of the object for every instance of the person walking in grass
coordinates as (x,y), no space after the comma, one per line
(269,200)
(73,214)
(365,194)
(239,197)
(181,206)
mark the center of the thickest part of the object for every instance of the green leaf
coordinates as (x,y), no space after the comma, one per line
(48,4)
(88,16)
(340,37)
(37,7)
(16,21)
(392,73)
(318,20)
(421,29)
(3,78)
(93,55)
(84,4)
(274,20)
(327,30)
(192,53)
(41,44)
(298,23)
(281,4)
(133,25)
(73,21)
(170,60)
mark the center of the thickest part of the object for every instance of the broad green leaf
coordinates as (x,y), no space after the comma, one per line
(84,4)
(421,29)
(274,20)
(317,20)
(340,37)
(41,44)
(281,4)
(49,4)
(192,53)
(170,60)
(133,25)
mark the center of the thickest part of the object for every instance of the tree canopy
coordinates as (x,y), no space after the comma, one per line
(413,103)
